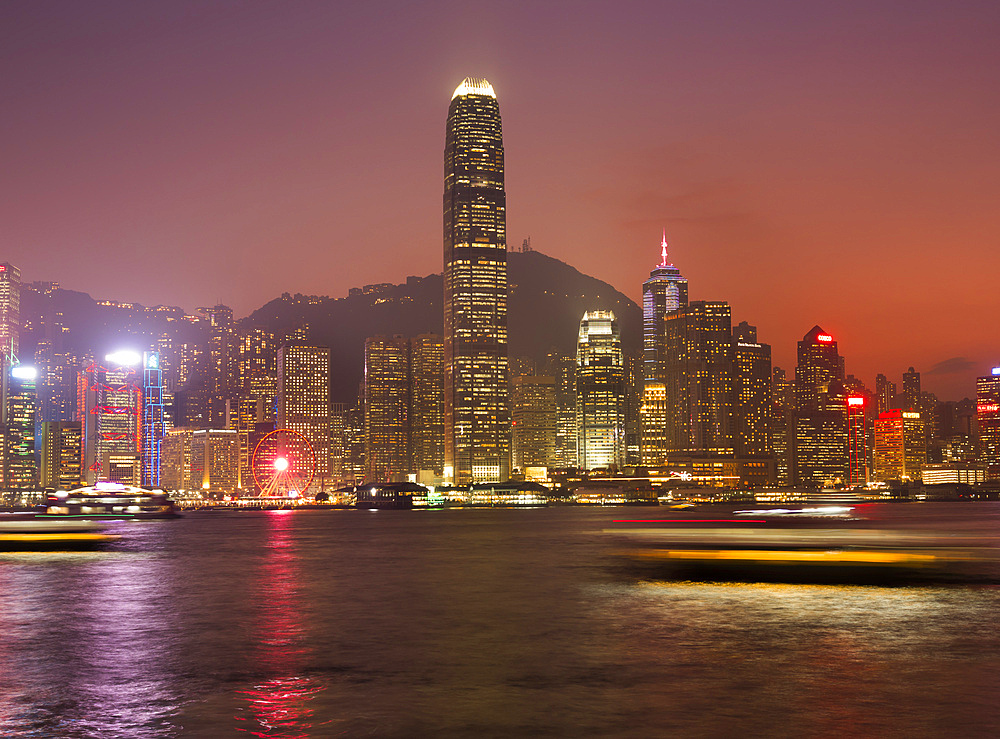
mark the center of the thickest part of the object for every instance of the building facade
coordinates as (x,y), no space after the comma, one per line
(699,379)
(600,392)
(10,311)
(387,409)
(820,421)
(303,400)
(534,411)
(476,402)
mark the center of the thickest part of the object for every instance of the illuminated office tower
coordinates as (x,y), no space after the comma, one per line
(782,425)
(62,444)
(563,369)
(900,446)
(600,392)
(698,376)
(175,460)
(820,424)
(752,399)
(112,410)
(215,461)
(885,394)
(634,385)
(911,390)
(476,402)
(988,415)
(533,400)
(387,409)
(223,367)
(21,472)
(427,403)
(654,424)
(888,458)
(153,418)
(257,383)
(857,452)
(201,460)
(665,291)
(10,310)
(303,399)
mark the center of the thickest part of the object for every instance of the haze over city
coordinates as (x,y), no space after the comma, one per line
(810,164)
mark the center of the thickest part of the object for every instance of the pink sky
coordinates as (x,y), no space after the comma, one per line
(835,164)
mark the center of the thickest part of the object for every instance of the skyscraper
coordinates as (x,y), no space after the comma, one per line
(751,393)
(857,453)
(820,435)
(10,309)
(698,376)
(21,472)
(427,403)
(303,399)
(665,290)
(988,414)
(387,409)
(911,390)
(534,415)
(600,392)
(111,411)
(477,412)
(153,426)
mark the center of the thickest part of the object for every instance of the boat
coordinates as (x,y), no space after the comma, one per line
(108,500)
(33,532)
(809,543)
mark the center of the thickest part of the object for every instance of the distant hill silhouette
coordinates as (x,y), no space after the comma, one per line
(547,299)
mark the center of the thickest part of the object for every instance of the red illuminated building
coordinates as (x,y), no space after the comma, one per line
(856,451)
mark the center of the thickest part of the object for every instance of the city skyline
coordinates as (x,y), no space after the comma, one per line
(842,171)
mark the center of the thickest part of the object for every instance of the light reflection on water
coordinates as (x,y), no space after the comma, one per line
(277,705)
(466,623)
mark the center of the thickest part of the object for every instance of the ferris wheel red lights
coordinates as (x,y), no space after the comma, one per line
(283,464)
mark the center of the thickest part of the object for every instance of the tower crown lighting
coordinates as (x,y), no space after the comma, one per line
(474,86)
(123,357)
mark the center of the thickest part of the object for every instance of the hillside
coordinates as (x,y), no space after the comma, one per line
(547,299)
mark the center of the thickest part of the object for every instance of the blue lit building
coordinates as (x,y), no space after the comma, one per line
(153,426)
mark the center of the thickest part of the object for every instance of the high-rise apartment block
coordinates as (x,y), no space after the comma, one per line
(600,392)
(477,415)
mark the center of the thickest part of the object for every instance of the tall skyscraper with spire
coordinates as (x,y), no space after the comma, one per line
(477,409)
(665,291)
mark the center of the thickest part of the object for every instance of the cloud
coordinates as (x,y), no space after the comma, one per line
(951,366)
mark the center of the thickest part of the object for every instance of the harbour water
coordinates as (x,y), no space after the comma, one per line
(485,623)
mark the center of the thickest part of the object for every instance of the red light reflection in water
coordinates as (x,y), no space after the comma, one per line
(279,704)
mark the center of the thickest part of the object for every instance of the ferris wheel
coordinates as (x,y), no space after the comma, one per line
(283,464)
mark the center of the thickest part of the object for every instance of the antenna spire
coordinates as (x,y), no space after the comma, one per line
(663,250)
